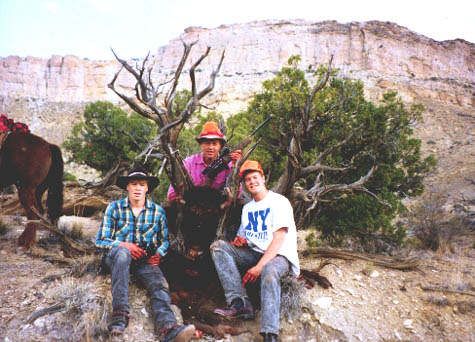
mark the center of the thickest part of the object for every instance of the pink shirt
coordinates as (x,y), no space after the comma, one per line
(195,166)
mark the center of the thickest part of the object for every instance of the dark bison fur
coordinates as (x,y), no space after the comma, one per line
(194,284)
(199,218)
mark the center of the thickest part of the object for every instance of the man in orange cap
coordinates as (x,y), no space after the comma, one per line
(266,246)
(211,141)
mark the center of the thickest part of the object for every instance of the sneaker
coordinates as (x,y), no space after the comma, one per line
(240,308)
(180,333)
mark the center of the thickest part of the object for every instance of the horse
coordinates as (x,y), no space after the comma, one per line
(33,165)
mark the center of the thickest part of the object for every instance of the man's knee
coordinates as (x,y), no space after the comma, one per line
(270,274)
(158,285)
(120,255)
(219,245)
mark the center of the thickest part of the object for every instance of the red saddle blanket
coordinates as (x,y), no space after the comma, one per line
(9,125)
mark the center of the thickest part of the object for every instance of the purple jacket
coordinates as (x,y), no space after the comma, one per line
(195,166)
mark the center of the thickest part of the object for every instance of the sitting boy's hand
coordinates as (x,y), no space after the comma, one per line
(135,251)
(154,260)
(239,241)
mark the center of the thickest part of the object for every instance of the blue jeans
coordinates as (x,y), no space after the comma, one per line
(151,277)
(229,260)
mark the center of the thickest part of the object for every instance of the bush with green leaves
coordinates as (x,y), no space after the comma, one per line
(69,177)
(379,135)
(108,135)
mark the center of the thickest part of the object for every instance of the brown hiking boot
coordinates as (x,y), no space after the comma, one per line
(269,337)
(120,321)
(180,333)
(240,308)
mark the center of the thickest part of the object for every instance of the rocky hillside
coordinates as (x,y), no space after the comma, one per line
(433,302)
(50,94)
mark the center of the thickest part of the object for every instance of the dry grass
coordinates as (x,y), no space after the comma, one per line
(433,226)
(368,269)
(438,300)
(292,298)
(87,264)
(75,232)
(86,309)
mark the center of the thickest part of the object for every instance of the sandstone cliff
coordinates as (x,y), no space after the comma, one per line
(50,94)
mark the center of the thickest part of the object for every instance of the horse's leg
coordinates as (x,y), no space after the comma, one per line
(28,200)
(40,190)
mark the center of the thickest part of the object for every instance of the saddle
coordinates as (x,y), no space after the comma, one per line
(8,126)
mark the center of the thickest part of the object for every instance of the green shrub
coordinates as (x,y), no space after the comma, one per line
(69,177)
(383,138)
(312,240)
(108,135)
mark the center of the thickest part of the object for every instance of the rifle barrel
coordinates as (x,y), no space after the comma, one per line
(261,125)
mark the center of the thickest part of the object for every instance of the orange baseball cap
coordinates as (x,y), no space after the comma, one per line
(250,165)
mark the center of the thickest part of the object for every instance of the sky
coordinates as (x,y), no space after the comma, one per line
(89,28)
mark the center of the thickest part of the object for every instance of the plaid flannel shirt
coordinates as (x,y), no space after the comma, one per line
(120,225)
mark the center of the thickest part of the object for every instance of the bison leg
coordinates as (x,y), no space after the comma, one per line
(28,200)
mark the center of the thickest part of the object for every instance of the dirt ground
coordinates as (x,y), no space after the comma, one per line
(366,302)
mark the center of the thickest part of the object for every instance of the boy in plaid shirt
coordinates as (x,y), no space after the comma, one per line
(134,233)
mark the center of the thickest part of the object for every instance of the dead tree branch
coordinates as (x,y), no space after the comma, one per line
(47,311)
(109,178)
(441,289)
(300,127)
(313,195)
(170,123)
(157,101)
(402,265)
(70,243)
(232,190)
